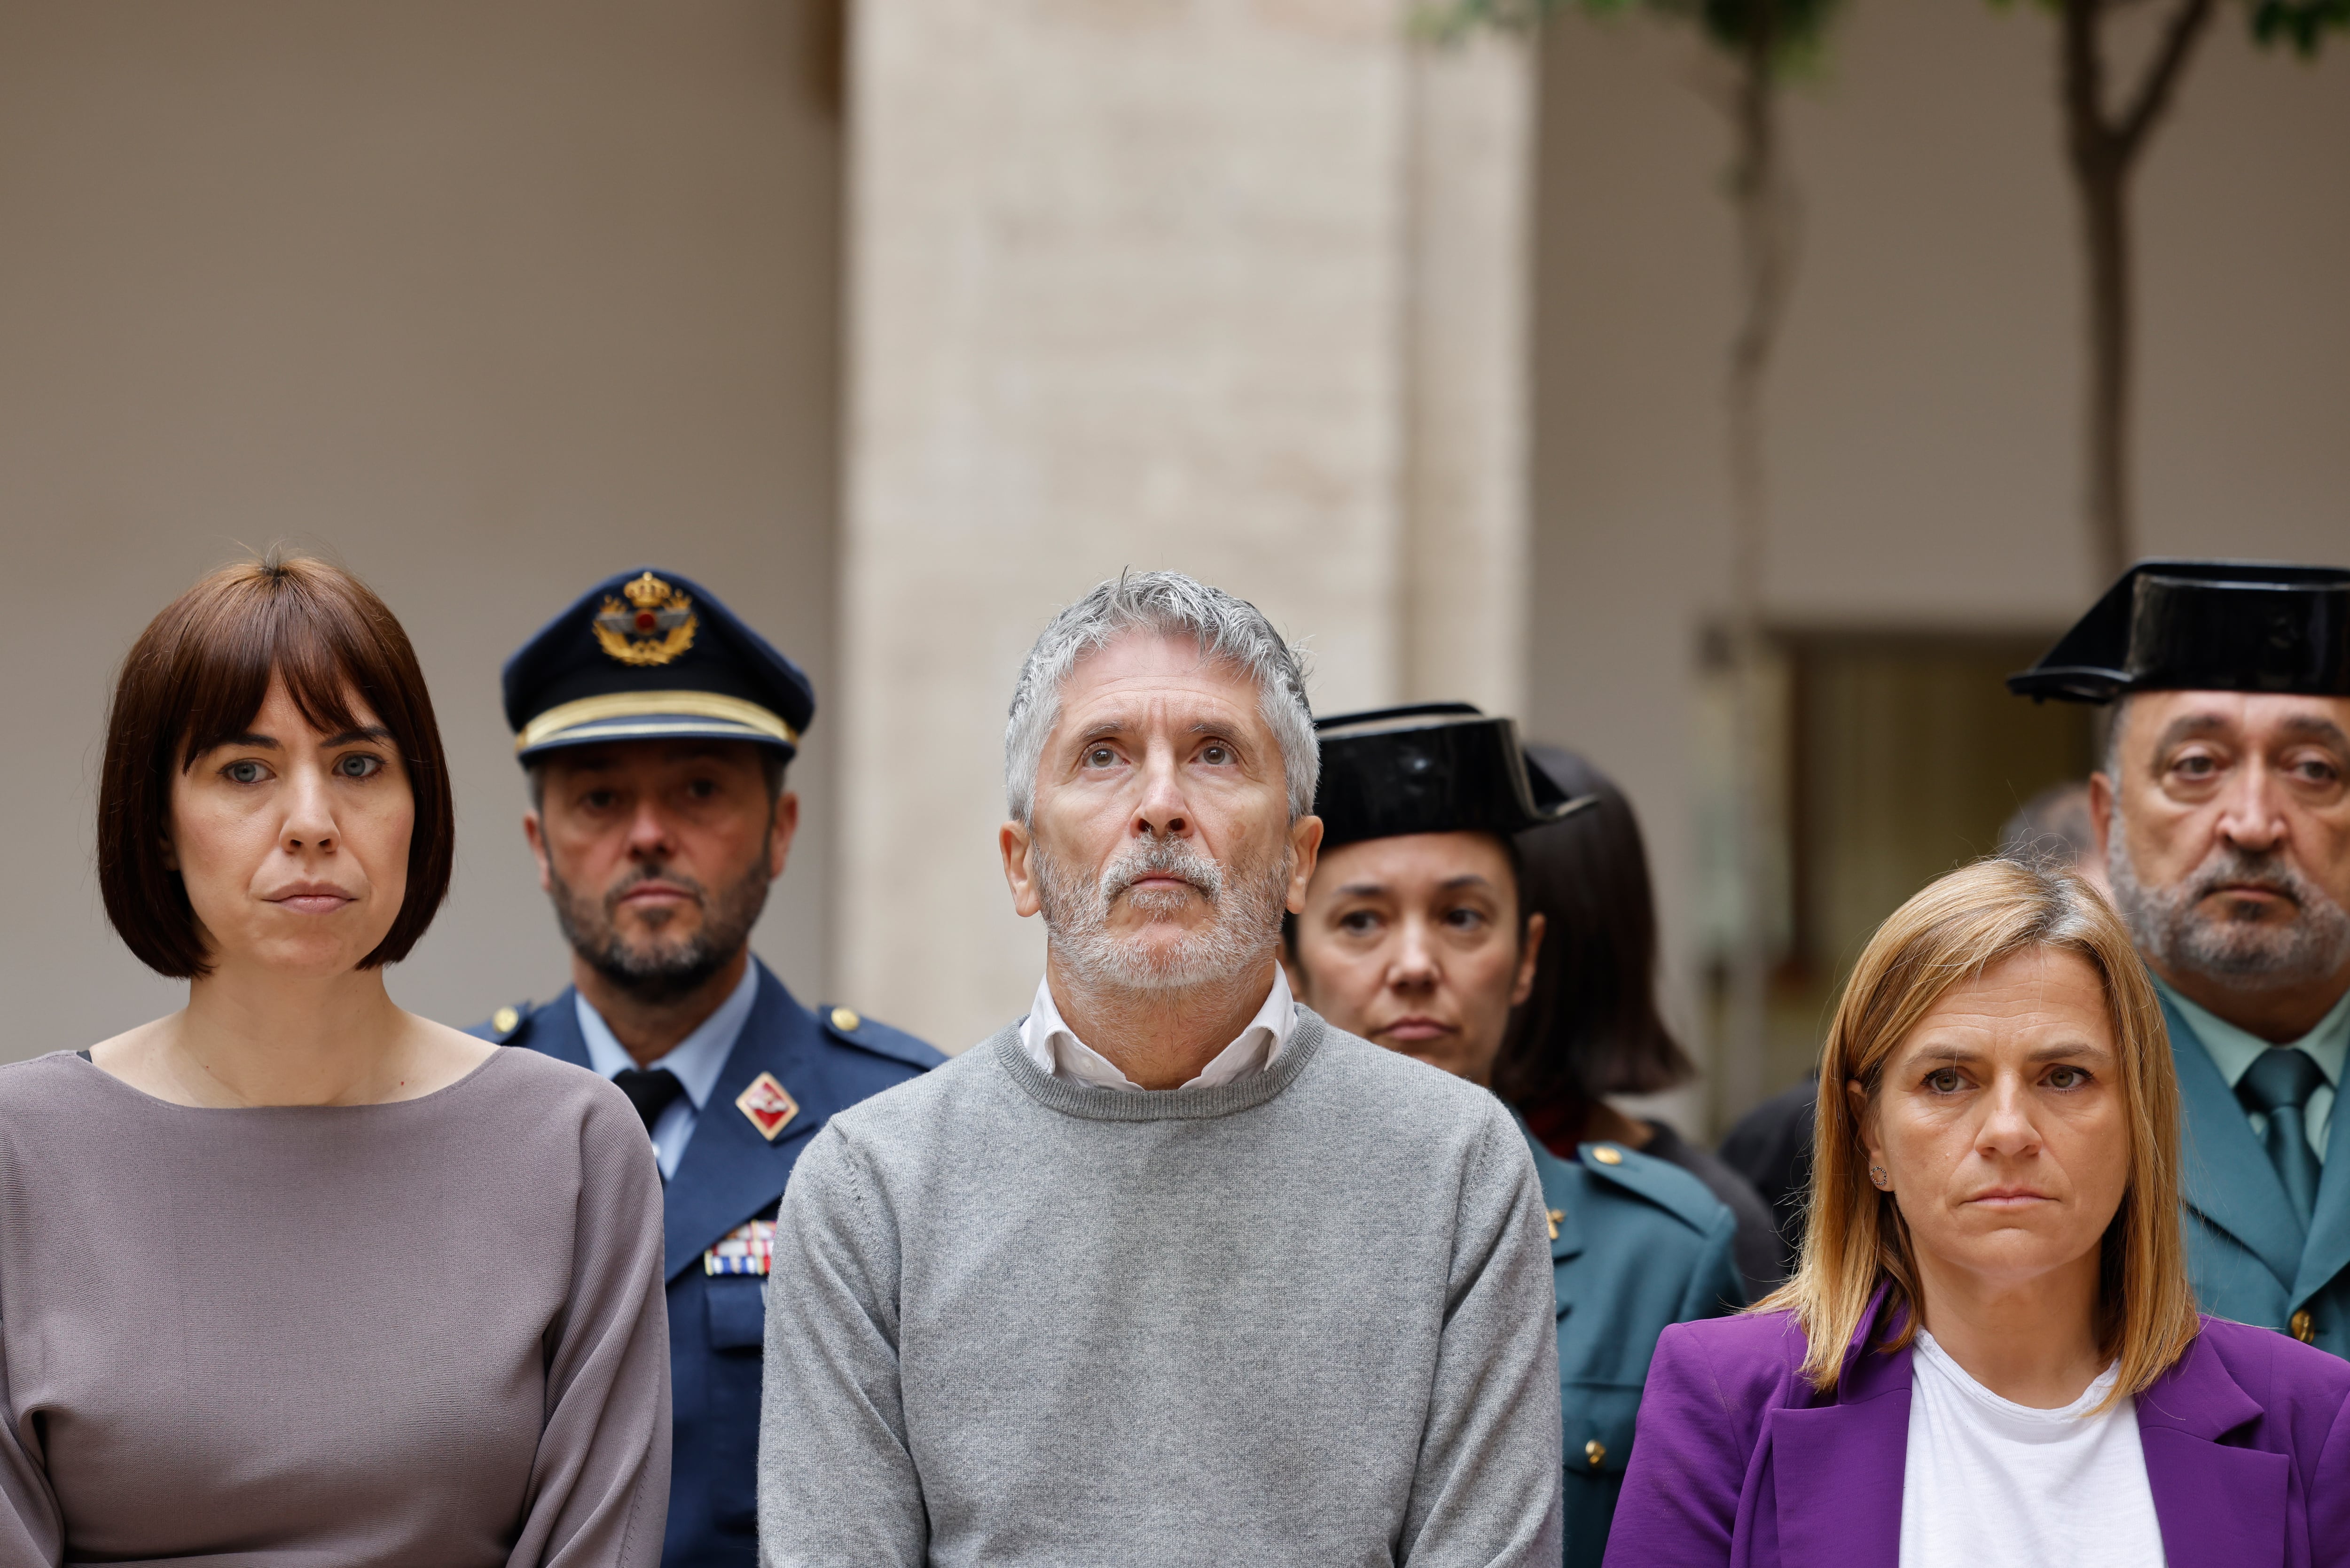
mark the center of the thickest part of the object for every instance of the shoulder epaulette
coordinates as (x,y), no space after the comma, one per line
(509,1025)
(1662,1182)
(852,1027)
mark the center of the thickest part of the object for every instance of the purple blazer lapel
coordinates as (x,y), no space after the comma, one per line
(1839,1468)
(2218,1507)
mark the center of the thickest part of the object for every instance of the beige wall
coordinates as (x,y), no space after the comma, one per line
(485,300)
(489,300)
(1135,285)
(1923,413)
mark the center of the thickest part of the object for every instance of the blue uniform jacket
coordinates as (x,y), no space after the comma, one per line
(2245,1252)
(826,1060)
(1637,1245)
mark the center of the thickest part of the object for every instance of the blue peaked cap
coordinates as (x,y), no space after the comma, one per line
(649,655)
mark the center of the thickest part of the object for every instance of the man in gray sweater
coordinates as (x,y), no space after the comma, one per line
(1169,1272)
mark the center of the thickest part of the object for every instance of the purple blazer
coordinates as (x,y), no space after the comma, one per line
(1737,1461)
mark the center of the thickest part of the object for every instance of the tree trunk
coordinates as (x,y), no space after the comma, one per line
(2106,219)
(2104,149)
(2100,174)
(1763,252)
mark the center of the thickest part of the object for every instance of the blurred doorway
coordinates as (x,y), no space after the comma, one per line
(1892,757)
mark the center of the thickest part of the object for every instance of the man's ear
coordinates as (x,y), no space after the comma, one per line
(780,829)
(536,832)
(2101,813)
(1018,843)
(1306,850)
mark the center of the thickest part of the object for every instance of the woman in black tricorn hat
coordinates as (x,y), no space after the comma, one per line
(1416,936)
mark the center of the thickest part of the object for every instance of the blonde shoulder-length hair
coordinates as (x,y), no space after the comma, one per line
(1856,1239)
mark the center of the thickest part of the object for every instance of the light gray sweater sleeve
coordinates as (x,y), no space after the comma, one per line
(1486,1491)
(836,1484)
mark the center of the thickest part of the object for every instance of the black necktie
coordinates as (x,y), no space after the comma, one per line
(2278,1086)
(650,1093)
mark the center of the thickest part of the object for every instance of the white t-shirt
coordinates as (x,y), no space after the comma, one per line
(1994,1484)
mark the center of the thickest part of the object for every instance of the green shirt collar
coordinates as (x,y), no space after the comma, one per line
(2233,1051)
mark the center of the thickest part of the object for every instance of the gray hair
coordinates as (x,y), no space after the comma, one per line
(1229,631)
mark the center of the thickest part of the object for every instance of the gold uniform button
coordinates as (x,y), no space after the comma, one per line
(845,1019)
(1594,1452)
(2305,1327)
(504,1019)
(1606,1154)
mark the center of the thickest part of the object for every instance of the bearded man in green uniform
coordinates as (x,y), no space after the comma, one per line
(2223,814)
(1415,936)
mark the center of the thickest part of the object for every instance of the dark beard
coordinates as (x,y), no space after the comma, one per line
(656,973)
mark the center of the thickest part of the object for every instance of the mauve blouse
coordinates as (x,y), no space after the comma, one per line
(429,1333)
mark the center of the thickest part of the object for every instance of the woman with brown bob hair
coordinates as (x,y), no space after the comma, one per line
(292,1274)
(1989,1354)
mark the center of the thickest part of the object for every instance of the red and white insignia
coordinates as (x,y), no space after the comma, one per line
(771,1110)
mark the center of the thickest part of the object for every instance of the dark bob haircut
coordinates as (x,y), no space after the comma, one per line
(195,679)
(1590,1026)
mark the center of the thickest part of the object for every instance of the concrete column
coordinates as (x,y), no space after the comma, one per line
(1131,285)
(1468,244)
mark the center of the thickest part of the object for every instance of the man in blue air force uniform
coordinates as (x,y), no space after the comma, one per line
(655,728)
(2223,811)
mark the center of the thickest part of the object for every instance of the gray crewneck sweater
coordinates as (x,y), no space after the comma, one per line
(1300,1319)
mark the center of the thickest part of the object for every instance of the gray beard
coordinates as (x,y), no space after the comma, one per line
(1243,926)
(2170,927)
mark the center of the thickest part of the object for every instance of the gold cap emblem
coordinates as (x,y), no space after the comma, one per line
(653,628)
(771,1110)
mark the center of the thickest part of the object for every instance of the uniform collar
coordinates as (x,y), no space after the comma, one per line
(697,1060)
(1058,1052)
(2233,1051)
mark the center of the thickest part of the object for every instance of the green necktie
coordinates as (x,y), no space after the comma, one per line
(2278,1086)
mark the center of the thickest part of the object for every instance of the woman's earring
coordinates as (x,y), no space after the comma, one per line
(1876,1174)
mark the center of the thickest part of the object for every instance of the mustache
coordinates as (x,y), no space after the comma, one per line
(2227,867)
(644,874)
(1163,857)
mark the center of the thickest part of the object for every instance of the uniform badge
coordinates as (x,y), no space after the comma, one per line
(653,626)
(744,1250)
(771,1110)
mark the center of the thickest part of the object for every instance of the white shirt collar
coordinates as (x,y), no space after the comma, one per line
(698,1059)
(1056,1050)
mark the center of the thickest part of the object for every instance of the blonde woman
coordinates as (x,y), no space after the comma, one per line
(1989,1354)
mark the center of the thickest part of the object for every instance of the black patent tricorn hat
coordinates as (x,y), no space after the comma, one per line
(1439,767)
(2204,625)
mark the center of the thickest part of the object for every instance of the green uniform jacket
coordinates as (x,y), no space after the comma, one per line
(2245,1252)
(1637,1245)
